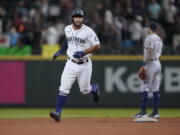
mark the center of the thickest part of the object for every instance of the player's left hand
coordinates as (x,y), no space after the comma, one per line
(54,57)
(79,54)
(142,73)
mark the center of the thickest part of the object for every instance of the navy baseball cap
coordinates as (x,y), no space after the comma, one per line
(152,26)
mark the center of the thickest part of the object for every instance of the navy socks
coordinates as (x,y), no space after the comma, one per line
(156,97)
(61,100)
(144,101)
(94,88)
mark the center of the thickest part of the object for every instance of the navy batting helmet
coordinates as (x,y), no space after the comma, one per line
(77,12)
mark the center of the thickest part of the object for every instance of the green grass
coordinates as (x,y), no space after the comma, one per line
(81,112)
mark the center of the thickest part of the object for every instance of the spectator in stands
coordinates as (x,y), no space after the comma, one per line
(108,17)
(54,10)
(22,9)
(170,10)
(117,8)
(138,7)
(14,37)
(44,6)
(52,34)
(127,43)
(176,36)
(118,26)
(98,24)
(154,9)
(135,29)
(60,27)
(2,18)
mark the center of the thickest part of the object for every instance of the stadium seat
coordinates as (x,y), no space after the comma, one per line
(49,50)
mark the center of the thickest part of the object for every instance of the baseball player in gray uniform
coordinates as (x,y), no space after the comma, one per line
(81,41)
(150,71)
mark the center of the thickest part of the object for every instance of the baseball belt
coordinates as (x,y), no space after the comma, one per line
(79,62)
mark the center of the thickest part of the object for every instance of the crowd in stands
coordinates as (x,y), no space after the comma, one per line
(119,24)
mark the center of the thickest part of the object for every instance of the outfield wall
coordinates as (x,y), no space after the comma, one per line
(34,81)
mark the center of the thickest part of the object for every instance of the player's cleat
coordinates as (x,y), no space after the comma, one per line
(154,115)
(140,115)
(55,115)
(95,92)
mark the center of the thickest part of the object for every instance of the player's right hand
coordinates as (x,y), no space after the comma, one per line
(54,57)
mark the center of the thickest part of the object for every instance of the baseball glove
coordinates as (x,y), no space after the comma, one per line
(142,73)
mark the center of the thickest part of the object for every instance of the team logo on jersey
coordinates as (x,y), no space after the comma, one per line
(76,39)
(96,38)
(148,43)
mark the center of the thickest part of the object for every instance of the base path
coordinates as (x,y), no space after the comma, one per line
(89,126)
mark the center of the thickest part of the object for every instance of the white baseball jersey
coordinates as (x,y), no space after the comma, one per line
(154,42)
(80,40)
(152,81)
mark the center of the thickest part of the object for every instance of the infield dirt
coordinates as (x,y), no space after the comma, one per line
(89,126)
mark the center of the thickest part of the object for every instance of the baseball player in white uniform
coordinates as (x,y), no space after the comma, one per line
(150,71)
(81,41)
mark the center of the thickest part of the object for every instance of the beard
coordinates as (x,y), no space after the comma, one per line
(77,25)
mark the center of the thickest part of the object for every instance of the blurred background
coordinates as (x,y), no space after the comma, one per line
(31,31)
(119,24)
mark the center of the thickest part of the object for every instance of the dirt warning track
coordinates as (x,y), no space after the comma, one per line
(89,126)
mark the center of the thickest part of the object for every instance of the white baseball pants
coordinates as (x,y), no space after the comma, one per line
(73,71)
(152,81)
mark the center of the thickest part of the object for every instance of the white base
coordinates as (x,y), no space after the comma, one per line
(145,119)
